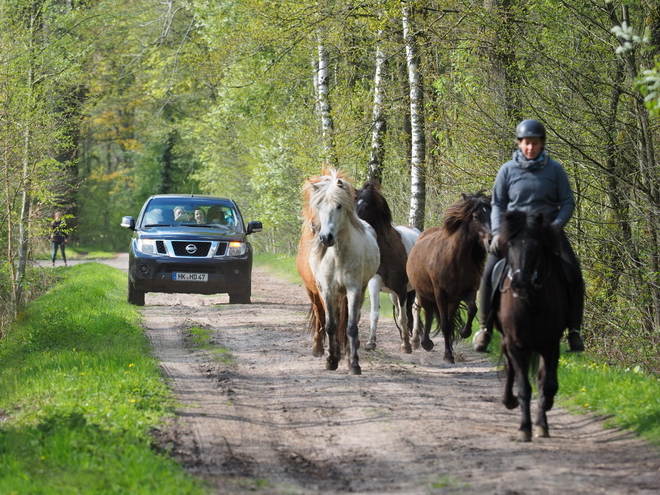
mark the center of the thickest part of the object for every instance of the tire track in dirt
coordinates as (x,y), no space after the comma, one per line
(272,420)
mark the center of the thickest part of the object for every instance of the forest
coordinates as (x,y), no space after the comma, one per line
(103,103)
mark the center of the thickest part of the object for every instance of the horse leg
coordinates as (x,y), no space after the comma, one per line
(400,302)
(374,286)
(416,310)
(332,329)
(355,299)
(429,311)
(318,314)
(547,387)
(447,313)
(466,331)
(509,400)
(521,365)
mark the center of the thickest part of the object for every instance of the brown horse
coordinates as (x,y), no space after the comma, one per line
(445,267)
(532,314)
(394,243)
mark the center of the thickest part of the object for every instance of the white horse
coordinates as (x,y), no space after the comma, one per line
(402,316)
(343,257)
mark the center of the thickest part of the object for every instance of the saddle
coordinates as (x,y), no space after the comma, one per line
(499,274)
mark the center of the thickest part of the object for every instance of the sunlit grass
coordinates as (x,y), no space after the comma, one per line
(630,398)
(80,395)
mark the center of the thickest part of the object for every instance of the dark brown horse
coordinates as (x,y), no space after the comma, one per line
(445,267)
(532,314)
(394,243)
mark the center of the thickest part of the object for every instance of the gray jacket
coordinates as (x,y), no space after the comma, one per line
(546,190)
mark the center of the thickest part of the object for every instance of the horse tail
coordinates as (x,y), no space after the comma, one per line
(458,319)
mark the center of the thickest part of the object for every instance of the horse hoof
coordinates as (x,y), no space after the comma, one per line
(511,403)
(448,359)
(465,332)
(524,436)
(317,353)
(481,340)
(415,344)
(355,370)
(370,346)
(541,431)
(406,349)
(428,345)
(331,364)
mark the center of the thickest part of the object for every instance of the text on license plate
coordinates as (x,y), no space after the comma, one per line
(190,277)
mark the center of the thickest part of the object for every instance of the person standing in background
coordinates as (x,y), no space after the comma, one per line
(58,237)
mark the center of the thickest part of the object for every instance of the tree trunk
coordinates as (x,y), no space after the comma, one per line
(418,158)
(327,124)
(23,233)
(379,122)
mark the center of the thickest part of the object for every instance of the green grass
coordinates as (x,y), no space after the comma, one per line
(628,397)
(75,251)
(283,265)
(80,395)
(201,338)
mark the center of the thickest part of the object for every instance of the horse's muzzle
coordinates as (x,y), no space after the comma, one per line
(327,240)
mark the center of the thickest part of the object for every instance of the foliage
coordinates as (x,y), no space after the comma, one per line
(80,395)
(221,98)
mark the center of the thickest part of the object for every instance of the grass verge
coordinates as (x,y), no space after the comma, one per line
(80,395)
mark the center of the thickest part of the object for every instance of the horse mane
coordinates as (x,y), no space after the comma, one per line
(371,206)
(460,212)
(516,223)
(334,185)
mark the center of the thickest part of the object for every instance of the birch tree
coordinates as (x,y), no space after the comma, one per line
(379,119)
(418,139)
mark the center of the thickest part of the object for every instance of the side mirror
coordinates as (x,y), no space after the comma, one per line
(254,226)
(128,223)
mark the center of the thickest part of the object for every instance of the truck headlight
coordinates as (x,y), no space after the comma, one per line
(236,248)
(147,246)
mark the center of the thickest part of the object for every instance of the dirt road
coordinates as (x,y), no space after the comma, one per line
(266,417)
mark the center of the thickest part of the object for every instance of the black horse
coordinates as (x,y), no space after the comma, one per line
(532,314)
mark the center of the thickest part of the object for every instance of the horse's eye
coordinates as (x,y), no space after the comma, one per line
(339,207)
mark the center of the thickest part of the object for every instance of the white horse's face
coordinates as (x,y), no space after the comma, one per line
(332,217)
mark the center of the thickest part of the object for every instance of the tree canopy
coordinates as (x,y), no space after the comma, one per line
(105,103)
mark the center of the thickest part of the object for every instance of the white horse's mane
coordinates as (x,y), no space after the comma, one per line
(334,187)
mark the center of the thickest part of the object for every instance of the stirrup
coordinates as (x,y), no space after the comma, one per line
(481,340)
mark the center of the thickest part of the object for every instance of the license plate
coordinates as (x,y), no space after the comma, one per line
(190,277)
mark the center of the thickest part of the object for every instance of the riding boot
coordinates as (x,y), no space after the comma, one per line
(575,284)
(482,338)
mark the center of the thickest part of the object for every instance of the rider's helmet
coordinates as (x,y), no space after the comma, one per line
(530,128)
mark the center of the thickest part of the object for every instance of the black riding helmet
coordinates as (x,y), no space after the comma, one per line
(530,128)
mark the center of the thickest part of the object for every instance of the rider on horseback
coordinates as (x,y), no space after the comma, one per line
(533,182)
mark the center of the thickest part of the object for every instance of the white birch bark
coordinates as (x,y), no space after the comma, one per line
(327,124)
(418,155)
(379,120)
